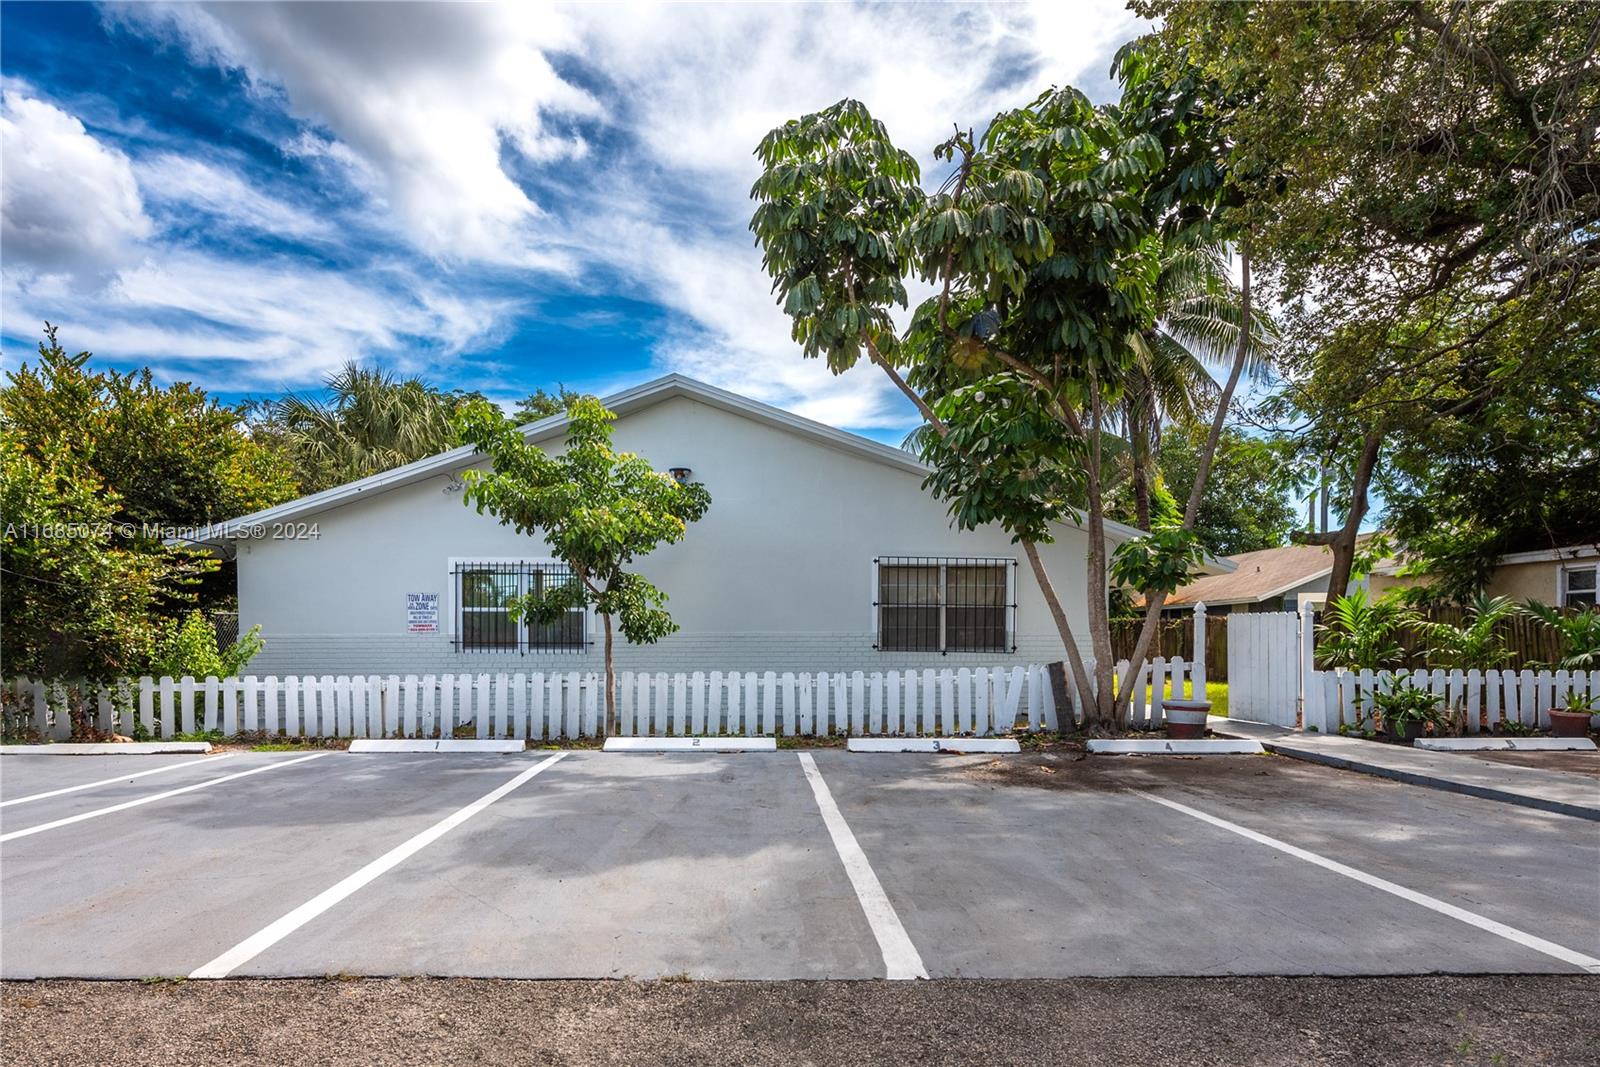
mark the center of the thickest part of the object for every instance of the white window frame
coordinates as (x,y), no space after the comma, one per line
(453,585)
(1564,583)
(1013,607)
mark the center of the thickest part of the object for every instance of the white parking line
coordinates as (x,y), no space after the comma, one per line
(900,956)
(270,935)
(125,805)
(1538,944)
(112,781)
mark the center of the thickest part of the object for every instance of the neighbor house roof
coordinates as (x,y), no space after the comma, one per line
(628,400)
(1259,576)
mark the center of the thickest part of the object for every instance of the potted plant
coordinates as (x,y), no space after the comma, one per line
(1572,718)
(1406,711)
(1185,719)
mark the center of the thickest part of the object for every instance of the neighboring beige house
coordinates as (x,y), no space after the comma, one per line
(1273,579)
(1565,577)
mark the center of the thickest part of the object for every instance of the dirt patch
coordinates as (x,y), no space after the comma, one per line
(1069,769)
(1268,1021)
(1585,763)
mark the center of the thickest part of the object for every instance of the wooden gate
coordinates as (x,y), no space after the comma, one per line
(1267,659)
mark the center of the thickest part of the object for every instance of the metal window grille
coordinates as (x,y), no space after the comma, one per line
(484,593)
(946,604)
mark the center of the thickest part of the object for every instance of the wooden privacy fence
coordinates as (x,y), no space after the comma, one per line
(1527,639)
(1174,639)
(1481,698)
(543,706)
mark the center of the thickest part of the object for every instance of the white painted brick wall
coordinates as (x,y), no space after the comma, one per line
(430,654)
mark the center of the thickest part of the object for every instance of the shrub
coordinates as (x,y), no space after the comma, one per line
(1477,643)
(191,648)
(1579,632)
(1359,633)
(1407,703)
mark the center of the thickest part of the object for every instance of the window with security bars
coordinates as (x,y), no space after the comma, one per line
(945,604)
(484,593)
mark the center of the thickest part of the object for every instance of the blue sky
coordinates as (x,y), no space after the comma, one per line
(495,197)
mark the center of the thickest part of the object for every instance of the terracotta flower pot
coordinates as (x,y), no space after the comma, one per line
(1564,723)
(1186,719)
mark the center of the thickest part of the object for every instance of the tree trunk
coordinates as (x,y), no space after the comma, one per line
(611,683)
(1080,673)
(1342,542)
(1102,713)
(1140,459)
(1152,613)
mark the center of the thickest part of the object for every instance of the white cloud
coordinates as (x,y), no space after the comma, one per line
(703,84)
(434,112)
(69,203)
(426,94)
(81,251)
(262,324)
(194,185)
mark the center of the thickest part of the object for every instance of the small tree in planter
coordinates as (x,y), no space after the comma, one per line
(597,508)
(1571,719)
(1407,710)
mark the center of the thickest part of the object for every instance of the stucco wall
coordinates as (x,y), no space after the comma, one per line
(1520,581)
(1527,581)
(777,575)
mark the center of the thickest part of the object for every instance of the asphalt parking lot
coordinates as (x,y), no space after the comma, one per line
(776,865)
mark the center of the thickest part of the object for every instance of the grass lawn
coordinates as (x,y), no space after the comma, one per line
(1216,692)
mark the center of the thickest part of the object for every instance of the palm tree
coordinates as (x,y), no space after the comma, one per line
(371,421)
(1359,632)
(1477,643)
(1577,629)
(1168,381)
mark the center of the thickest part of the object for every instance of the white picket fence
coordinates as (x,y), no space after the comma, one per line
(1272,678)
(540,706)
(1484,698)
(1160,680)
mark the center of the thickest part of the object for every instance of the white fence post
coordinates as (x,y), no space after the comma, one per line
(1198,668)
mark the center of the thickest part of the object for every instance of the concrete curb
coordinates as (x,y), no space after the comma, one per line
(933,744)
(1435,781)
(690,744)
(449,744)
(1504,744)
(109,748)
(1161,747)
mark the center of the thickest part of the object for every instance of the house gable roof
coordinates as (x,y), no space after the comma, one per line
(624,402)
(1258,576)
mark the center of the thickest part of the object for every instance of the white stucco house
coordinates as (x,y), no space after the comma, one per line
(821,551)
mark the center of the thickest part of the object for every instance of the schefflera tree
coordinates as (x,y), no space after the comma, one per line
(597,508)
(1045,247)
